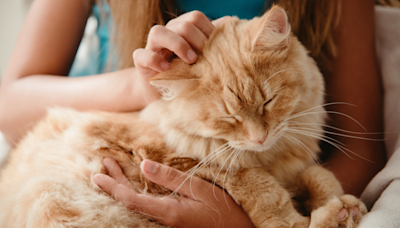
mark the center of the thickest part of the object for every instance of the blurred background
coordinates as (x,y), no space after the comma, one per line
(12,15)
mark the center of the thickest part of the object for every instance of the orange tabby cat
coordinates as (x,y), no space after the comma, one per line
(239,110)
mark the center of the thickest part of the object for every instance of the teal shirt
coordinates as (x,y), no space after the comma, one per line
(98,56)
(244,9)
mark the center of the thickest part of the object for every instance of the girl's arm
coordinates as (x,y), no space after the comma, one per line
(35,77)
(355,79)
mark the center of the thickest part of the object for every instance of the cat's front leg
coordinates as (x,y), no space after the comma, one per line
(323,196)
(266,202)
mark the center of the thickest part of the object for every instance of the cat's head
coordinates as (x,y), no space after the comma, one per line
(249,82)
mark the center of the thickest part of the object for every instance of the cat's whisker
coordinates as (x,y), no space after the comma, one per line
(190,173)
(323,105)
(223,182)
(230,169)
(324,138)
(222,167)
(217,154)
(217,176)
(339,134)
(236,152)
(292,139)
(213,153)
(335,128)
(209,158)
(328,112)
(317,132)
(309,152)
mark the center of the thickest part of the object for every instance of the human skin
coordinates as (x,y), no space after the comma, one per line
(34,79)
(205,205)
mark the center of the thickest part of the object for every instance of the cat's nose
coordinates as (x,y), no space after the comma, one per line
(260,139)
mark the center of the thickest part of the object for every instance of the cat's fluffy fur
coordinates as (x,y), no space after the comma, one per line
(252,91)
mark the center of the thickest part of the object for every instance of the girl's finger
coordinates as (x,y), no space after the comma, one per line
(146,60)
(190,33)
(163,210)
(198,19)
(192,187)
(161,37)
(114,170)
(218,21)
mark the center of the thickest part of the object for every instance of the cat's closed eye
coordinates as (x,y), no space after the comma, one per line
(269,101)
(262,108)
(232,119)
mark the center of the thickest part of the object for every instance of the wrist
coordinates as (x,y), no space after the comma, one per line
(128,94)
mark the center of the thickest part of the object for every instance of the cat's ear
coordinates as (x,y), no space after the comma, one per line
(273,31)
(172,84)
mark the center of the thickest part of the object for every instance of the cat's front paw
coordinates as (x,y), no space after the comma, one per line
(343,212)
(353,210)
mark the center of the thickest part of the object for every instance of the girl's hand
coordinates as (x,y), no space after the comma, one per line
(181,36)
(202,204)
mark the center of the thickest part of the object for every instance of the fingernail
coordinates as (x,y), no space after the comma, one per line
(149,166)
(342,214)
(191,55)
(164,65)
(97,179)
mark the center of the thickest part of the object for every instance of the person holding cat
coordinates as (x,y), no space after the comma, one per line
(35,69)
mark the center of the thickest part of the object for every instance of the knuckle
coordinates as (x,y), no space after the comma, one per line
(197,16)
(152,60)
(178,47)
(173,20)
(184,28)
(155,30)
(138,56)
(136,53)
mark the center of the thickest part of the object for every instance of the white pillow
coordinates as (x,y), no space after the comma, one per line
(383,192)
(388,48)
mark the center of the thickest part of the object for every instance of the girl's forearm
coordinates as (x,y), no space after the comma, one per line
(24,101)
(356,80)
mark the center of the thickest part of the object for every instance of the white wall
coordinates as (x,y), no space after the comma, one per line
(12,14)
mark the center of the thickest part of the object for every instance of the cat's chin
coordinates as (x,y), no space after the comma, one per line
(257,148)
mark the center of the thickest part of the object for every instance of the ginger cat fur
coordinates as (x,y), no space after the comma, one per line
(234,117)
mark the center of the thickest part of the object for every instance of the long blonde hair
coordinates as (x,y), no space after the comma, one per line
(313,22)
